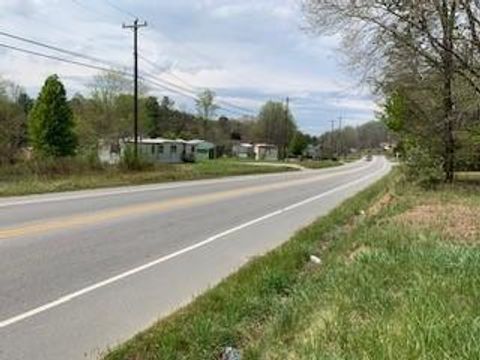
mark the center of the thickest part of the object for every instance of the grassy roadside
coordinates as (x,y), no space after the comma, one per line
(239,310)
(319,164)
(308,163)
(399,279)
(19,183)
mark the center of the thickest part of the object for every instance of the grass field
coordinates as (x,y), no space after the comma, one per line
(399,279)
(66,178)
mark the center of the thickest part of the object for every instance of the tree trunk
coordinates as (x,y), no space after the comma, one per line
(449,139)
(448,23)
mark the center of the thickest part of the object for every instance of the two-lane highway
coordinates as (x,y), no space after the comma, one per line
(83,271)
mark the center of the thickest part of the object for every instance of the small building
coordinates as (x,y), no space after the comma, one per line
(161,150)
(203,150)
(243,150)
(265,152)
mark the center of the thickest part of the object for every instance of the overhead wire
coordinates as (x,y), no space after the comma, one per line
(55,48)
(168,83)
(149,78)
(64,60)
(156,67)
(120,9)
(186,94)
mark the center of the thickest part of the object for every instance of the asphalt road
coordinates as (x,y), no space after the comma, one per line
(84,271)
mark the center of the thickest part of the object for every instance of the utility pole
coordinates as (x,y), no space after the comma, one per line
(340,140)
(287,110)
(332,138)
(135,26)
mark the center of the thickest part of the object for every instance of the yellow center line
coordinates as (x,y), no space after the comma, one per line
(61,223)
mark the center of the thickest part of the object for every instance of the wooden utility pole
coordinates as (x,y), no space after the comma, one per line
(135,26)
(287,110)
(332,138)
(340,139)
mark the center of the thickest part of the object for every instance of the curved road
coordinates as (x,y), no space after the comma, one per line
(83,271)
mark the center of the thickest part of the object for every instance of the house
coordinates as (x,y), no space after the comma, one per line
(203,150)
(243,150)
(265,152)
(164,150)
(159,150)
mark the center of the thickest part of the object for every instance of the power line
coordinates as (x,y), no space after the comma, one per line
(64,60)
(185,94)
(88,8)
(192,88)
(55,48)
(158,68)
(129,13)
(120,9)
(111,66)
(181,88)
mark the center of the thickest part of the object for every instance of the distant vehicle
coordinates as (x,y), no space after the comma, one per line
(369,157)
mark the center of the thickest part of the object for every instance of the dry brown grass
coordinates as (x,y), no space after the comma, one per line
(457,221)
(381,204)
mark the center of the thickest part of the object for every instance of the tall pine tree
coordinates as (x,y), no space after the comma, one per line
(50,125)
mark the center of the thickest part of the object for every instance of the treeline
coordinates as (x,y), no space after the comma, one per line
(55,126)
(422,58)
(368,136)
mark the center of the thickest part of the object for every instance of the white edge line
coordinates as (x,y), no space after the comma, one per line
(96,193)
(67,298)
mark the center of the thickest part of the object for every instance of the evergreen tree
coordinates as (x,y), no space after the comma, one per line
(50,126)
(152,113)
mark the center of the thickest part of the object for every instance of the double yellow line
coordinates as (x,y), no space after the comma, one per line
(75,221)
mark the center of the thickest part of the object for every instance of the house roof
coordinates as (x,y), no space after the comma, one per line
(247,145)
(266,145)
(157,141)
(199,141)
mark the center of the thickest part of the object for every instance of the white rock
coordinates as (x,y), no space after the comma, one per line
(314,259)
(231,354)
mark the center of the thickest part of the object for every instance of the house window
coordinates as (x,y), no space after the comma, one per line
(173,149)
(160,149)
(153,149)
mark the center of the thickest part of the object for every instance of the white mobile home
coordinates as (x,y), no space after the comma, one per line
(243,151)
(266,152)
(164,150)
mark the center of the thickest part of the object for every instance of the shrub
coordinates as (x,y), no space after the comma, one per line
(131,163)
(424,167)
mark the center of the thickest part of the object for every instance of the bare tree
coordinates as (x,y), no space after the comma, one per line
(414,39)
(206,108)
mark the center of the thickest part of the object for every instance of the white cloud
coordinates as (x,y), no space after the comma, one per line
(249,50)
(357,104)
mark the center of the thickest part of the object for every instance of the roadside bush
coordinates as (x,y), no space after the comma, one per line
(90,156)
(131,163)
(424,168)
(50,167)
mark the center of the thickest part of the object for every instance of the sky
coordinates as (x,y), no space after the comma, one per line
(247,51)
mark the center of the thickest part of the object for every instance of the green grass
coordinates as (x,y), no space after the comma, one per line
(238,310)
(21,181)
(386,289)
